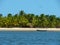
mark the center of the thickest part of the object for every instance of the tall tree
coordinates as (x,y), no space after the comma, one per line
(1,20)
(43,21)
(35,21)
(57,22)
(21,12)
(8,20)
(29,20)
(52,21)
(23,21)
(16,20)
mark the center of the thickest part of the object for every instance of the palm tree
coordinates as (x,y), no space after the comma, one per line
(58,22)
(8,20)
(23,21)
(52,21)
(21,12)
(1,20)
(43,21)
(16,20)
(29,20)
(35,21)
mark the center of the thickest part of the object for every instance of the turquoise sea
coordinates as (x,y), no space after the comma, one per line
(29,38)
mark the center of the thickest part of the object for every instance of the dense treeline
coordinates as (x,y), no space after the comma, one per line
(29,20)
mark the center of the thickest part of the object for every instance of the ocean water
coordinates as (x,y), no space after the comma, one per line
(29,38)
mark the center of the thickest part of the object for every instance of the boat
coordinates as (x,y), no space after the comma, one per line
(42,30)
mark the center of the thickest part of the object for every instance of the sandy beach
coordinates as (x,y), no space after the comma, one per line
(29,29)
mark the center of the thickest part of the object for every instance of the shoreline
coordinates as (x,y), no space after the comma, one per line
(29,29)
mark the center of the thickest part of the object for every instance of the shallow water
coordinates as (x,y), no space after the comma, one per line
(29,38)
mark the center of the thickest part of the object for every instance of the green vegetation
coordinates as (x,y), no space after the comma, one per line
(29,20)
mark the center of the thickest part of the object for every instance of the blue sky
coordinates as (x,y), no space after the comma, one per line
(30,6)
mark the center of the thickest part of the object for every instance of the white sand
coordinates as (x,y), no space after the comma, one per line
(29,29)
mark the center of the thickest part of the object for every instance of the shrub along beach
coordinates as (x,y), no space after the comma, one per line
(29,21)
